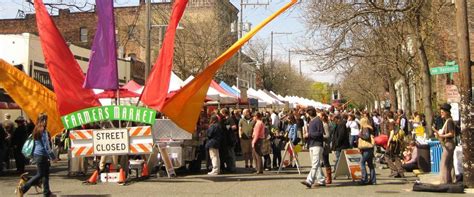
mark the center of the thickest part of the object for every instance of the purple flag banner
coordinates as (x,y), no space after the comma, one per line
(102,71)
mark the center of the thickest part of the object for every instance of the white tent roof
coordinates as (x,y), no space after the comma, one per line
(269,98)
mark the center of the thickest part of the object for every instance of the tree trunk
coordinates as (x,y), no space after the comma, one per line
(407,95)
(463,51)
(393,95)
(425,77)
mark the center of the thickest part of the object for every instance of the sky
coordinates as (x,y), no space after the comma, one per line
(289,22)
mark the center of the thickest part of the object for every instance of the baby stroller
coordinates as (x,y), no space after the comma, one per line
(381,147)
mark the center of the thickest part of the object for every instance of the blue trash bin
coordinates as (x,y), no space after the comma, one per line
(435,153)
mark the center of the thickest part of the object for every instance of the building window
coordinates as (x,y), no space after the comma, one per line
(84,33)
(37,64)
(43,78)
(77,57)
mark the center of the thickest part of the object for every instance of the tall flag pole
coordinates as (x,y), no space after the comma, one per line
(102,72)
(66,74)
(157,85)
(184,107)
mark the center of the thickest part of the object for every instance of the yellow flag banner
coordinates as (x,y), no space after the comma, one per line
(185,106)
(31,96)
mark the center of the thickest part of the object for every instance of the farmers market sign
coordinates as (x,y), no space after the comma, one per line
(96,114)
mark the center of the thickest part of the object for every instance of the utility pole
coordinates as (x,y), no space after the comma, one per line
(463,51)
(241,32)
(148,39)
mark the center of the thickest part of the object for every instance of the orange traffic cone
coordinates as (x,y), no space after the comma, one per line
(145,170)
(122,177)
(93,178)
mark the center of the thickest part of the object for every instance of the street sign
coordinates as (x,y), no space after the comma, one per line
(132,140)
(111,142)
(444,70)
(450,67)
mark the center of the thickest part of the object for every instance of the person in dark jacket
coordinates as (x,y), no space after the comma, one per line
(2,148)
(315,137)
(340,138)
(19,137)
(214,135)
(228,141)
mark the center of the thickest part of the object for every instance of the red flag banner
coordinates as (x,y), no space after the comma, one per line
(65,72)
(156,87)
(184,107)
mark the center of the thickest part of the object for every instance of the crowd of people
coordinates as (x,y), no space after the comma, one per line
(261,136)
(13,135)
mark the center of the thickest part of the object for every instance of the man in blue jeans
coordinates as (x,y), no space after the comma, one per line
(315,144)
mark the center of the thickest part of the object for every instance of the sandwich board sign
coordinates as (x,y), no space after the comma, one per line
(349,164)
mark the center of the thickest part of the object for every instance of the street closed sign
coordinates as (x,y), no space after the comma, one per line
(111,142)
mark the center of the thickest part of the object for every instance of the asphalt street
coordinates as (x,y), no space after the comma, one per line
(242,183)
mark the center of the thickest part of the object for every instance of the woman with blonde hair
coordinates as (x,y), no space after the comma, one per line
(366,147)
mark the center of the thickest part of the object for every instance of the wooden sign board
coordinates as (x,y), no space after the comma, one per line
(349,164)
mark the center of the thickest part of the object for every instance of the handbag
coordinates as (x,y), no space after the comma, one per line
(266,147)
(28,147)
(364,144)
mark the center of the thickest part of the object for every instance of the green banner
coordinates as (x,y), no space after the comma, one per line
(96,114)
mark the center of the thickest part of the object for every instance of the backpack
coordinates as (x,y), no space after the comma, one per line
(28,147)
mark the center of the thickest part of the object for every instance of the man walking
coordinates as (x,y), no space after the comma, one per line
(315,144)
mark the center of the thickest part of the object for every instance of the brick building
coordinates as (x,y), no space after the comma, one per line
(78,28)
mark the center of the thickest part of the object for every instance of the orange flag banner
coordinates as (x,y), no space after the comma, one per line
(185,106)
(31,96)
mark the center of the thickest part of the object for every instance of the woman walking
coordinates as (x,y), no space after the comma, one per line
(446,137)
(42,155)
(326,146)
(366,147)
